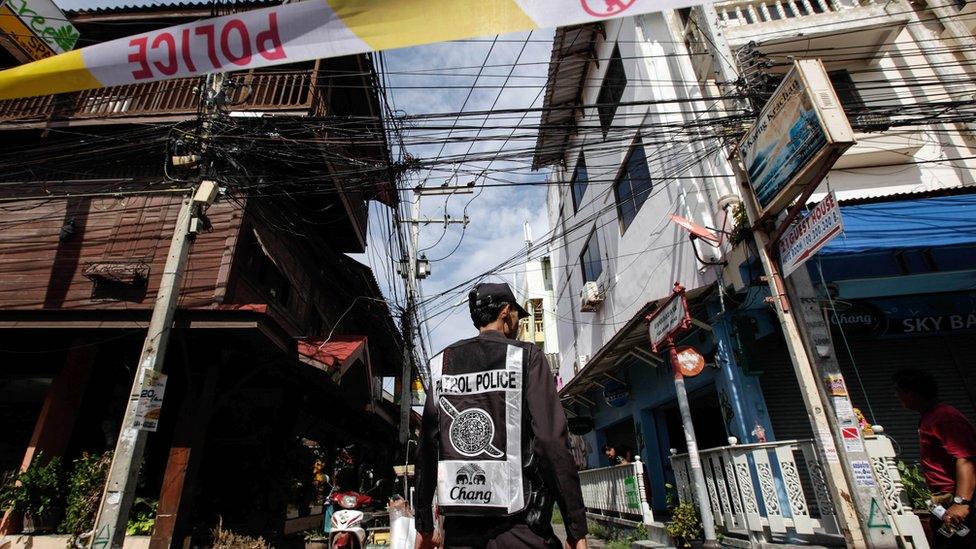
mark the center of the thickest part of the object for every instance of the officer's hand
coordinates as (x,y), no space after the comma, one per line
(578,544)
(425,541)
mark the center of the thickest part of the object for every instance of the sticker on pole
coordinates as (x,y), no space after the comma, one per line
(807,237)
(863,475)
(690,361)
(669,319)
(150,400)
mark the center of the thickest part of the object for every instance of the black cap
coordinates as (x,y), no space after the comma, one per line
(488,293)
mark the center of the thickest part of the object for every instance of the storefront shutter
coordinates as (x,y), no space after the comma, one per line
(951,359)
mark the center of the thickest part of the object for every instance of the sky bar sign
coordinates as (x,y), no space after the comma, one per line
(807,237)
(300,31)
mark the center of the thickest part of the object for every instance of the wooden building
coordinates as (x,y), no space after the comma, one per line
(280,340)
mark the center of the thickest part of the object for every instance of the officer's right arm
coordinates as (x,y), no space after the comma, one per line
(552,447)
(425,462)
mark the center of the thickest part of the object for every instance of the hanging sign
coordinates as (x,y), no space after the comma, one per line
(35,29)
(669,319)
(150,404)
(801,241)
(798,136)
(690,361)
(301,31)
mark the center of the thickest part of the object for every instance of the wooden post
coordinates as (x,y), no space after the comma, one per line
(185,456)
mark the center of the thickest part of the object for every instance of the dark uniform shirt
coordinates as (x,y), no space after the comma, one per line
(550,442)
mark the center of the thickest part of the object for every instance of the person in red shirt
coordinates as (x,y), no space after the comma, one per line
(947,445)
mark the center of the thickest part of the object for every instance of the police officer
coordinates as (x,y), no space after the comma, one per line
(493,442)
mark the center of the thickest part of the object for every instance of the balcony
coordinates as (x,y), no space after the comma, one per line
(777,490)
(280,92)
(617,494)
(774,25)
(532,330)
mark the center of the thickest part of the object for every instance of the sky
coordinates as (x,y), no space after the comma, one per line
(428,79)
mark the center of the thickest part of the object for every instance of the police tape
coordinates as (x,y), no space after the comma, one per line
(300,31)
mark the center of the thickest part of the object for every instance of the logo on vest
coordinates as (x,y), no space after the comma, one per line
(469,486)
(471,431)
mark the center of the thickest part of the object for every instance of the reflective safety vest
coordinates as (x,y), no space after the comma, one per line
(478,388)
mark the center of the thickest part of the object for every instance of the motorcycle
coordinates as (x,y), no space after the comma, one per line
(349,517)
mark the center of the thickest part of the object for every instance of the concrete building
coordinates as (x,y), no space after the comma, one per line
(534,290)
(635,131)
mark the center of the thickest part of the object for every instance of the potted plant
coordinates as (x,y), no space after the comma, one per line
(36,493)
(917,492)
(85,484)
(685,524)
(142,517)
(316,540)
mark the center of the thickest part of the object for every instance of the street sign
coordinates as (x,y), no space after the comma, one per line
(690,361)
(35,29)
(669,319)
(807,237)
(798,136)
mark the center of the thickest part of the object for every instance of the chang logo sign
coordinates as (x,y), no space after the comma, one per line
(469,486)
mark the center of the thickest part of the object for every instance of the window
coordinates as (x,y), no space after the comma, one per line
(590,260)
(580,179)
(611,90)
(853,103)
(633,186)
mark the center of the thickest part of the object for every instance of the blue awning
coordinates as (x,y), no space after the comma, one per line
(923,223)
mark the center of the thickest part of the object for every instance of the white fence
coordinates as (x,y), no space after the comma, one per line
(617,494)
(779,487)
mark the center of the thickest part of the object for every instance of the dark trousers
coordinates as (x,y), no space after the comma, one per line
(495,533)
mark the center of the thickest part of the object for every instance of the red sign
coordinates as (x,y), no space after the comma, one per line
(204,47)
(606,8)
(850,432)
(696,229)
(688,361)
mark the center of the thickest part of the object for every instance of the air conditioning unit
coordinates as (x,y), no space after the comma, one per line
(591,296)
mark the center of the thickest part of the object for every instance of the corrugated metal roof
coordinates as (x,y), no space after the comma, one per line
(112,6)
(572,51)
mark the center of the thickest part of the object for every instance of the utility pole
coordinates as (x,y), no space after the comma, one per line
(120,485)
(667,322)
(414,268)
(846,472)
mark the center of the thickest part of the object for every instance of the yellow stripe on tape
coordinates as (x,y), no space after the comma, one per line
(385,24)
(57,74)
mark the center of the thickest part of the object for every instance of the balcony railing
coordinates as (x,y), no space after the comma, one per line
(764,11)
(779,487)
(272,91)
(617,494)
